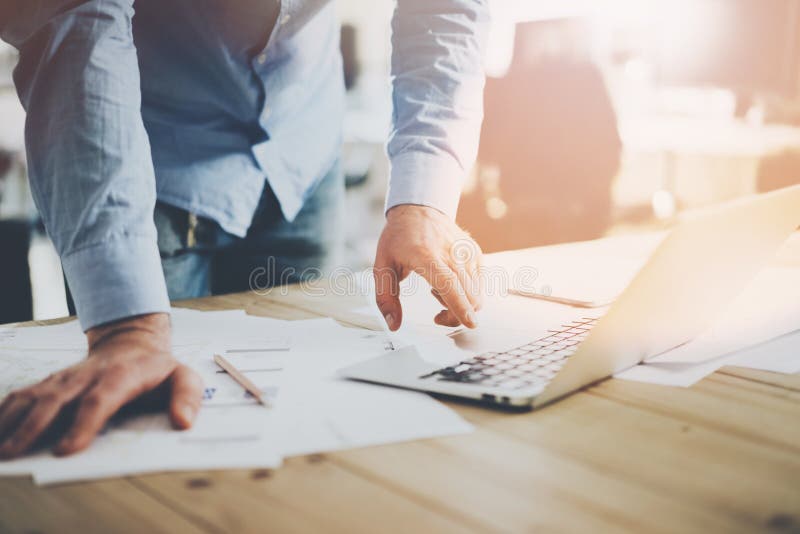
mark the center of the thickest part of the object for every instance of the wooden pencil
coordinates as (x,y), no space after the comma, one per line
(242,380)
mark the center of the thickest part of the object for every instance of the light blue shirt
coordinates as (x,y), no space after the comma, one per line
(197,103)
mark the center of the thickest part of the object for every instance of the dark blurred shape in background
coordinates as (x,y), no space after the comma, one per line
(16,300)
(550,148)
(348,41)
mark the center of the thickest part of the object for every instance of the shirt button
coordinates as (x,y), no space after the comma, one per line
(286,18)
(262,58)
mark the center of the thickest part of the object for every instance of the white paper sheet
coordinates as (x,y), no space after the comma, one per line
(781,355)
(23,367)
(767,309)
(59,337)
(671,374)
(222,438)
(294,362)
(318,411)
(336,414)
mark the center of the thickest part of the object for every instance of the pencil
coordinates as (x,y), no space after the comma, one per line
(242,380)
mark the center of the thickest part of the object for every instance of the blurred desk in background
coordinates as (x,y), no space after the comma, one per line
(699,160)
(707,136)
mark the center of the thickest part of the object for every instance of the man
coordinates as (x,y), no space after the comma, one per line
(173,152)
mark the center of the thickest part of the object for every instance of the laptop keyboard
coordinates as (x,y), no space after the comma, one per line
(530,364)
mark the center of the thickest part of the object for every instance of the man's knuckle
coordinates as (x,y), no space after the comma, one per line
(119,374)
(21,395)
(119,369)
(384,301)
(93,400)
(382,270)
(48,397)
(64,378)
(51,378)
(421,251)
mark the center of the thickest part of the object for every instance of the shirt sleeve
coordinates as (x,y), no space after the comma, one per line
(437,79)
(89,160)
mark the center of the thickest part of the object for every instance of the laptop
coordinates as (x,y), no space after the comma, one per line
(705,261)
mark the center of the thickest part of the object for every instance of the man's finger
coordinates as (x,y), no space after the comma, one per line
(465,258)
(449,319)
(55,393)
(36,421)
(187,394)
(446,318)
(14,408)
(469,284)
(98,405)
(442,278)
(387,294)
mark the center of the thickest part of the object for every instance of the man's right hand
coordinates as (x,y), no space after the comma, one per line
(127,359)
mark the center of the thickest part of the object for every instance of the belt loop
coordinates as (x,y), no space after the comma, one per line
(191,239)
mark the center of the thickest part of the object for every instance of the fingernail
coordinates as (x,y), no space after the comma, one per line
(389,319)
(472,318)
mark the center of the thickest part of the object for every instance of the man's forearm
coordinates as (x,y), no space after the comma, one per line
(89,159)
(438,79)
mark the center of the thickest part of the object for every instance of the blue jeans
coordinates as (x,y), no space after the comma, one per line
(199,258)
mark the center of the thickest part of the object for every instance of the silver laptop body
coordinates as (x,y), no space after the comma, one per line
(695,273)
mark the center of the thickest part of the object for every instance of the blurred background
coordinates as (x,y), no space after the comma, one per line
(602,117)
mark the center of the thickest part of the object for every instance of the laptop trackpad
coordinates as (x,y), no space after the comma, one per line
(402,366)
(486,340)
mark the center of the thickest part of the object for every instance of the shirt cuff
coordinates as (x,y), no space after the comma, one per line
(424,179)
(118,278)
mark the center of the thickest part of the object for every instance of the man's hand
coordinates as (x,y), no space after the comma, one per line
(424,240)
(126,360)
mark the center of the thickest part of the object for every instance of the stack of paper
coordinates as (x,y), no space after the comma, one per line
(743,336)
(294,362)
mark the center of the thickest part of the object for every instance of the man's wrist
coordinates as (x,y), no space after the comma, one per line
(155,325)
(401,210)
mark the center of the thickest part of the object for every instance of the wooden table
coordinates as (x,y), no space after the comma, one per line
(722,456)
